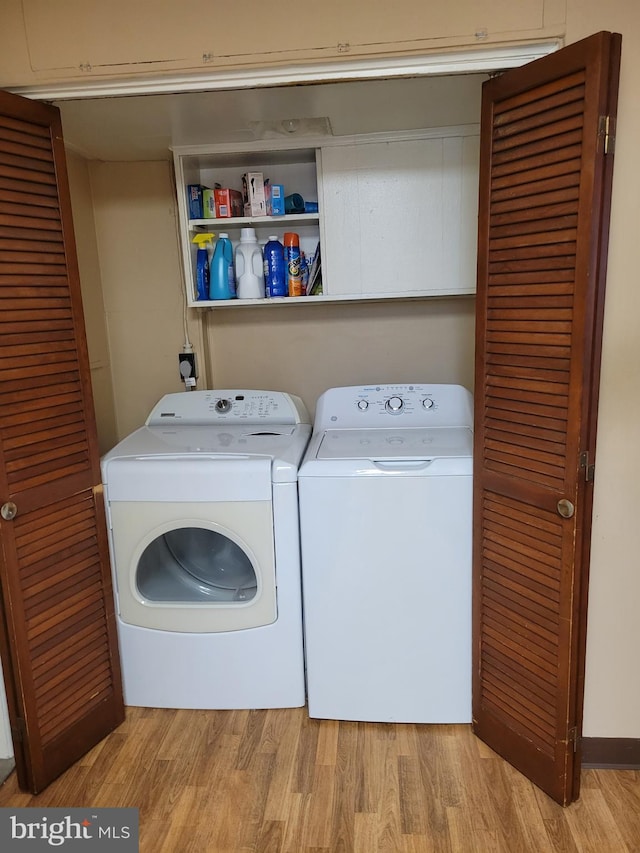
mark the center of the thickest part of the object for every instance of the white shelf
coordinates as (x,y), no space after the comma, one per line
(323,299)
(253,221)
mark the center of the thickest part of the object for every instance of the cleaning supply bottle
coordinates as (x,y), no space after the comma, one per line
(275,273)
(204,243)
(249,267)
(222,282)
(304,273)
(292,260)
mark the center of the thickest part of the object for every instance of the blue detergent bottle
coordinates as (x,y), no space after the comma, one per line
(222,281)
(275,269)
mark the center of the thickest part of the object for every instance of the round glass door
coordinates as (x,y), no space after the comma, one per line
(196,564)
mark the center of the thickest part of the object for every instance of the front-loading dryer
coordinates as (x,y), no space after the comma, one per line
(202,506)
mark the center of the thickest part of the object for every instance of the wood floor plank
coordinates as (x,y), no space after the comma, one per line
(593,825)
(412,812)
(293,824)
(620,790)
(320,807)
(286,736)
(277,782)
(371,755)
(531,826)
(328,743)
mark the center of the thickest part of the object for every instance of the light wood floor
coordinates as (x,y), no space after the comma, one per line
(276,781)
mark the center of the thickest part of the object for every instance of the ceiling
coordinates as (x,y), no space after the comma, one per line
(145,127)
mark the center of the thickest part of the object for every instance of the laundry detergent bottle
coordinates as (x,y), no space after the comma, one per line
(222,282)
(275,271)
(204,243)
(249,266)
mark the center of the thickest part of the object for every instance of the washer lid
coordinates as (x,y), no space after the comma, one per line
(379,445)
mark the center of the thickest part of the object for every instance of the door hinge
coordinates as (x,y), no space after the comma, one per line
(574,738)
(19,730)
(606,134)
(589,470)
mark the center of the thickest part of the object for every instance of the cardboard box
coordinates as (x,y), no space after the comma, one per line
(208,204)
(228,203)
(274,198)
(253,194)
(194,201)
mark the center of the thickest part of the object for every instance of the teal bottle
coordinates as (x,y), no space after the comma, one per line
(222,281)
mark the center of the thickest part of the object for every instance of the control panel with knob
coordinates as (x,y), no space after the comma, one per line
(202,408)
(394,405)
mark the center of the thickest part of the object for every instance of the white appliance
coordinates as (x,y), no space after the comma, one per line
(202,507)
(385,512)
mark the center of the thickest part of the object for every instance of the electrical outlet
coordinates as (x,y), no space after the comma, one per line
(187,367)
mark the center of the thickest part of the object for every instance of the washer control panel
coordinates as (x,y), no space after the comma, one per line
(209,408)
(371,406)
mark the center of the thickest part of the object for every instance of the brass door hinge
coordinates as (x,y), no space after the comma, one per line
(573,737)
(606,134)
(589,470)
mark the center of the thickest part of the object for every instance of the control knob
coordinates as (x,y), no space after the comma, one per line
(223,405)
(394,405)
(428,403)
(363,405)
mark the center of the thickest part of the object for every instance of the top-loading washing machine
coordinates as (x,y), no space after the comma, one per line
(202,507)
(385,512)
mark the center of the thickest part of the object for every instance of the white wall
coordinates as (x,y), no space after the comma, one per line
(6,745)
(612,687)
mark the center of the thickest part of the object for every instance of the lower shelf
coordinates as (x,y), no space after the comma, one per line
(280,301)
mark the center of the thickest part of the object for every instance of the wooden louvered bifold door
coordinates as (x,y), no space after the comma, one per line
(58,633)
(544,205)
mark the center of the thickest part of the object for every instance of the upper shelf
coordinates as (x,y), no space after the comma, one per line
(243,221)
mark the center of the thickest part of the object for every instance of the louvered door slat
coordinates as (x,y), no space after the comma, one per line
(67,408)
(547,96)
(528,205)
(62,673)
(517,162)
(524,177)
(527,237)
(543,188)
(38,224)
(68,646)
(522,441)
